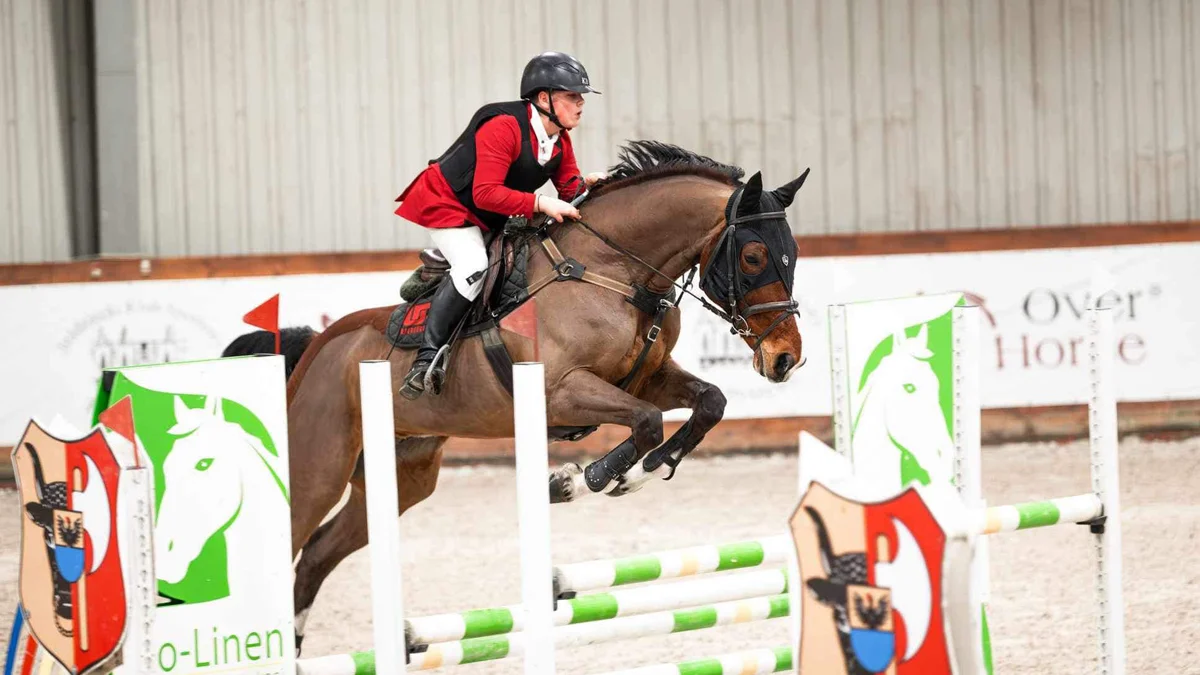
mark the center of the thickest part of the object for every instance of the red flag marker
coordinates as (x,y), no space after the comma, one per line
(523,321)
(266,317)
(119,418)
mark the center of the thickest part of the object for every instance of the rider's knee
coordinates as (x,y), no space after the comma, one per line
(468,275)
(464,285)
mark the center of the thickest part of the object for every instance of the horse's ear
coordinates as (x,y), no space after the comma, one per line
(787,192)
(751,194)
(922,338)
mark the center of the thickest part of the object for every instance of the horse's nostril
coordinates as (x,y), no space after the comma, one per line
(784,363)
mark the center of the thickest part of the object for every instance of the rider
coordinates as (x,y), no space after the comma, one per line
(507,151)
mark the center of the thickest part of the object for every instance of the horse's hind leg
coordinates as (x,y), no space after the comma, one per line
(337,538)
(418,461)
(325,438)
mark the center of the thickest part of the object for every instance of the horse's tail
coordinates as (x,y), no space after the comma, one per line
(293,340)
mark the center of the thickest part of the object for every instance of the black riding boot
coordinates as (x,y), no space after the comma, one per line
(446,308)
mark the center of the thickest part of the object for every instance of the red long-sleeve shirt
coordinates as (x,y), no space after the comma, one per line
(428,201)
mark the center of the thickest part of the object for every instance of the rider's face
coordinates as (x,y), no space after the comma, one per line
(568,106)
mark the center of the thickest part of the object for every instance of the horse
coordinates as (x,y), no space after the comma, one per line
(662,211)
(901,411)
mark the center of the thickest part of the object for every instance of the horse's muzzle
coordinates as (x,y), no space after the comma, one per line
(783,365)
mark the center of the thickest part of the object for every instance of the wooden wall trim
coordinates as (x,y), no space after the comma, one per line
(1068,236)
(135,268)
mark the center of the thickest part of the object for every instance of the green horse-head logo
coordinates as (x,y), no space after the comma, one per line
(217,481)
(901,410)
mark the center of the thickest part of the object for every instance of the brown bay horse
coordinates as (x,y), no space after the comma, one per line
(663,211)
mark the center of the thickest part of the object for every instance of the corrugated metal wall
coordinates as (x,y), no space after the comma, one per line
(280,126)
(34,133)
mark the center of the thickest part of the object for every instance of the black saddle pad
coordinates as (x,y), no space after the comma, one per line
(406,326)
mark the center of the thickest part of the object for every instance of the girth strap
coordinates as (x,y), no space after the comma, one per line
(651,338)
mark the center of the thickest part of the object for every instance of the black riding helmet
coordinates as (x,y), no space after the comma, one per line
(554,71)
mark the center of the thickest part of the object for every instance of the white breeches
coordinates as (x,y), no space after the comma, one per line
(464,250)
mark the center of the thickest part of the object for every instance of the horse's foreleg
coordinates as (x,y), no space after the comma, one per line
(669,388)
(583,399)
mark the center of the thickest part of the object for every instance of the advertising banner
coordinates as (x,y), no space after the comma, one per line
(60,336)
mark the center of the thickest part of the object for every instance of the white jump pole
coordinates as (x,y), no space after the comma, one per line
(138,514)
(1102,434)
(968,457)
(383,516)
(533,513)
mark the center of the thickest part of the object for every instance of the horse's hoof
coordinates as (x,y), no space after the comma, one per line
(625,487)
(564,483)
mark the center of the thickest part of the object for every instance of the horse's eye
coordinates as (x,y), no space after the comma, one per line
(909,387)
(752,259)
(203,464)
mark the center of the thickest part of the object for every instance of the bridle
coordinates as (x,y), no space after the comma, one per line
(736,318)
(726,244)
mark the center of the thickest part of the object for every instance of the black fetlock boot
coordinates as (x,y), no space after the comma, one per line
(446,308)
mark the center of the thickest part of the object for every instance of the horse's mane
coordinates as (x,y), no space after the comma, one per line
(641,161)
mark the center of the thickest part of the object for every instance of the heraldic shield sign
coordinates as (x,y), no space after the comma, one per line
(71,585)
(872,577)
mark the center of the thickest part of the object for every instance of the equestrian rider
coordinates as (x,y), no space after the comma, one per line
(507,151)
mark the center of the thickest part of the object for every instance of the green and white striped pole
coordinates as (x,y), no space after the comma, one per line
(492,648)
(600,606)
(754,662)
(659,623)
(1046,513)
(600,574)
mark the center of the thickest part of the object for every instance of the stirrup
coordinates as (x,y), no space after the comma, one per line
(415,382)
(431,378)
(435,374)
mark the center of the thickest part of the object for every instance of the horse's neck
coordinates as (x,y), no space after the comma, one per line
(263,511)
(870,427)
(664,223)
(871,441)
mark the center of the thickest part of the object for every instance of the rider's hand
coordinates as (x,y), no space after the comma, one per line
(594,176)
(556,208)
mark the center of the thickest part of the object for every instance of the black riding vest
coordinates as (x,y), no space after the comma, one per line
(525,174)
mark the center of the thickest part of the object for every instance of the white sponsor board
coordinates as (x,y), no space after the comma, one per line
(215,433)
(61,335)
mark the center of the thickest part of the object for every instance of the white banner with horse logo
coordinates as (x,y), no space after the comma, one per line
(1033,330)
(216,434)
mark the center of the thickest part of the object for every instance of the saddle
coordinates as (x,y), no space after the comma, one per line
(506,287)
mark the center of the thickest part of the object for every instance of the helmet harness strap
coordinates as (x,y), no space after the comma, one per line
(548,113)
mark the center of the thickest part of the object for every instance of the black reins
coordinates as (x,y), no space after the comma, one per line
(736,319)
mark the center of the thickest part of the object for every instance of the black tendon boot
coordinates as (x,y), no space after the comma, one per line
(446,308)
